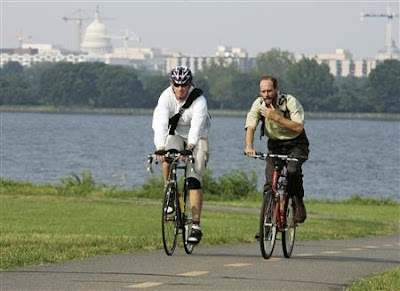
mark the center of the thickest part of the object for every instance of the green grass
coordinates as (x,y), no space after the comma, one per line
(79,218)
(385,281)
(39,229)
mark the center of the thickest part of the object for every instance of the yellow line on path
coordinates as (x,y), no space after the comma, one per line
(371,247)
(353,249)
(194,273)
(145,285)
(305,255)
(237,265)
(331,252)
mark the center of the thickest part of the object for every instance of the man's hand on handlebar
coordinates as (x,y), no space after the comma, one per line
(160,155)
(249,152)
(186,154)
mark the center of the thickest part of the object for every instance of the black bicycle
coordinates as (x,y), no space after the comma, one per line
(175,217)
(277,210)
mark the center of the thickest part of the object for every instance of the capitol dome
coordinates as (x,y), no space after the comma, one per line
(96,40)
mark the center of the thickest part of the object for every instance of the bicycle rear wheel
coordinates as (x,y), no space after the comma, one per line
(268,227)
(289,235)
(169,221)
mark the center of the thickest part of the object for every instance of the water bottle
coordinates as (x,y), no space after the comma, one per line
(281,190)
(181,202)
(281,186)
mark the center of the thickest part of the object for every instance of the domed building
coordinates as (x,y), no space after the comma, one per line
(96,40)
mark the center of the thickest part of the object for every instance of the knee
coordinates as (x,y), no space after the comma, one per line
(193,183)
(294,170)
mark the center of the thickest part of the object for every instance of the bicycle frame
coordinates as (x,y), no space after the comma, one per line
(276,215)
(281,201)
(179,218)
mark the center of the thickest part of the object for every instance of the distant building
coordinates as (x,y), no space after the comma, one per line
(96,47)
(37,53)
(96,40)
(225,55)
(342,64)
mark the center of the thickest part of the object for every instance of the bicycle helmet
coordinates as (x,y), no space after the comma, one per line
(181,75)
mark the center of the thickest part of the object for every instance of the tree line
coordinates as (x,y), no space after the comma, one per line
(98,85)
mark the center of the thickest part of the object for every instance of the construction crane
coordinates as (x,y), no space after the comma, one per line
(79,20)
(390,16)
(129,35)
(21,37)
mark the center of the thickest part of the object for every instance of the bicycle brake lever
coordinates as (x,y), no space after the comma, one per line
(150,164)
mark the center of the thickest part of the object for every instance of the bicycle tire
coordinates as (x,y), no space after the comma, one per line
(187,224)
(268,226)
(169,222)
(289,235)
(186,233)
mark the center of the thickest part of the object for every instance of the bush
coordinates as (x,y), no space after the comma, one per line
(77,186)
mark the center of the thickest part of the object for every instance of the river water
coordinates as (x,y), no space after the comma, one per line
(347,156)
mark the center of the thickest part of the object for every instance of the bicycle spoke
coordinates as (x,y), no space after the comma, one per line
(187,218)
(169,220)
(289,235)
(268,228)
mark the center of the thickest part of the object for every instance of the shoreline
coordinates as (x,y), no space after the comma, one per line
(213,112)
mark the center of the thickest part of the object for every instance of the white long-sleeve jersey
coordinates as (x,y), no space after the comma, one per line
(192,125)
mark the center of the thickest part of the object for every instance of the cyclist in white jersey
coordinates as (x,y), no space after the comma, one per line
(190,137)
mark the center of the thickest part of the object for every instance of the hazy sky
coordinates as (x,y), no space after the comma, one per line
(198,27)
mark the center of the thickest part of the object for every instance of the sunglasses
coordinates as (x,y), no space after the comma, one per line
(181,85)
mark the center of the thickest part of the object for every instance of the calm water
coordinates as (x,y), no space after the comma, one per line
(347,156)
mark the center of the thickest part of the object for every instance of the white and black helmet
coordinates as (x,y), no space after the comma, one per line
(181,75)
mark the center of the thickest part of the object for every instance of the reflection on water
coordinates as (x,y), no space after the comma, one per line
(347,156)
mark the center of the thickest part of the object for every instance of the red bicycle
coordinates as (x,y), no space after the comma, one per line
(277,210)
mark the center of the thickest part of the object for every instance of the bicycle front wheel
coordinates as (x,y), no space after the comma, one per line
(169,221)
(268,227)
(187,224)
(289,235)
(187,227)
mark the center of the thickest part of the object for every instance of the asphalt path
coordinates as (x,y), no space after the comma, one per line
(316,265)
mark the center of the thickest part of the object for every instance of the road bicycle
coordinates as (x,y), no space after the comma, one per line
(175,217)
(277,210)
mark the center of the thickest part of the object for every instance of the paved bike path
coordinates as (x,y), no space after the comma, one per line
(317,265)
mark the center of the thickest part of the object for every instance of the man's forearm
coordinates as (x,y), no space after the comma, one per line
(250,138)
(289,124)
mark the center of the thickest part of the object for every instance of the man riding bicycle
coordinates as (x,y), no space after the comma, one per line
(181,122)
(282,118)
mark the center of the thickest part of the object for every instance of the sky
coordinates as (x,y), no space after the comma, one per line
(199,27)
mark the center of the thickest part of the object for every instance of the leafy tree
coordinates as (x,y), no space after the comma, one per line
(153,86)
(245,90)
(384,87)
(120,87)
(311,83)
(351,95)
(14,85)
(220,80)
(33,75)
(275,62)
(56,84)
